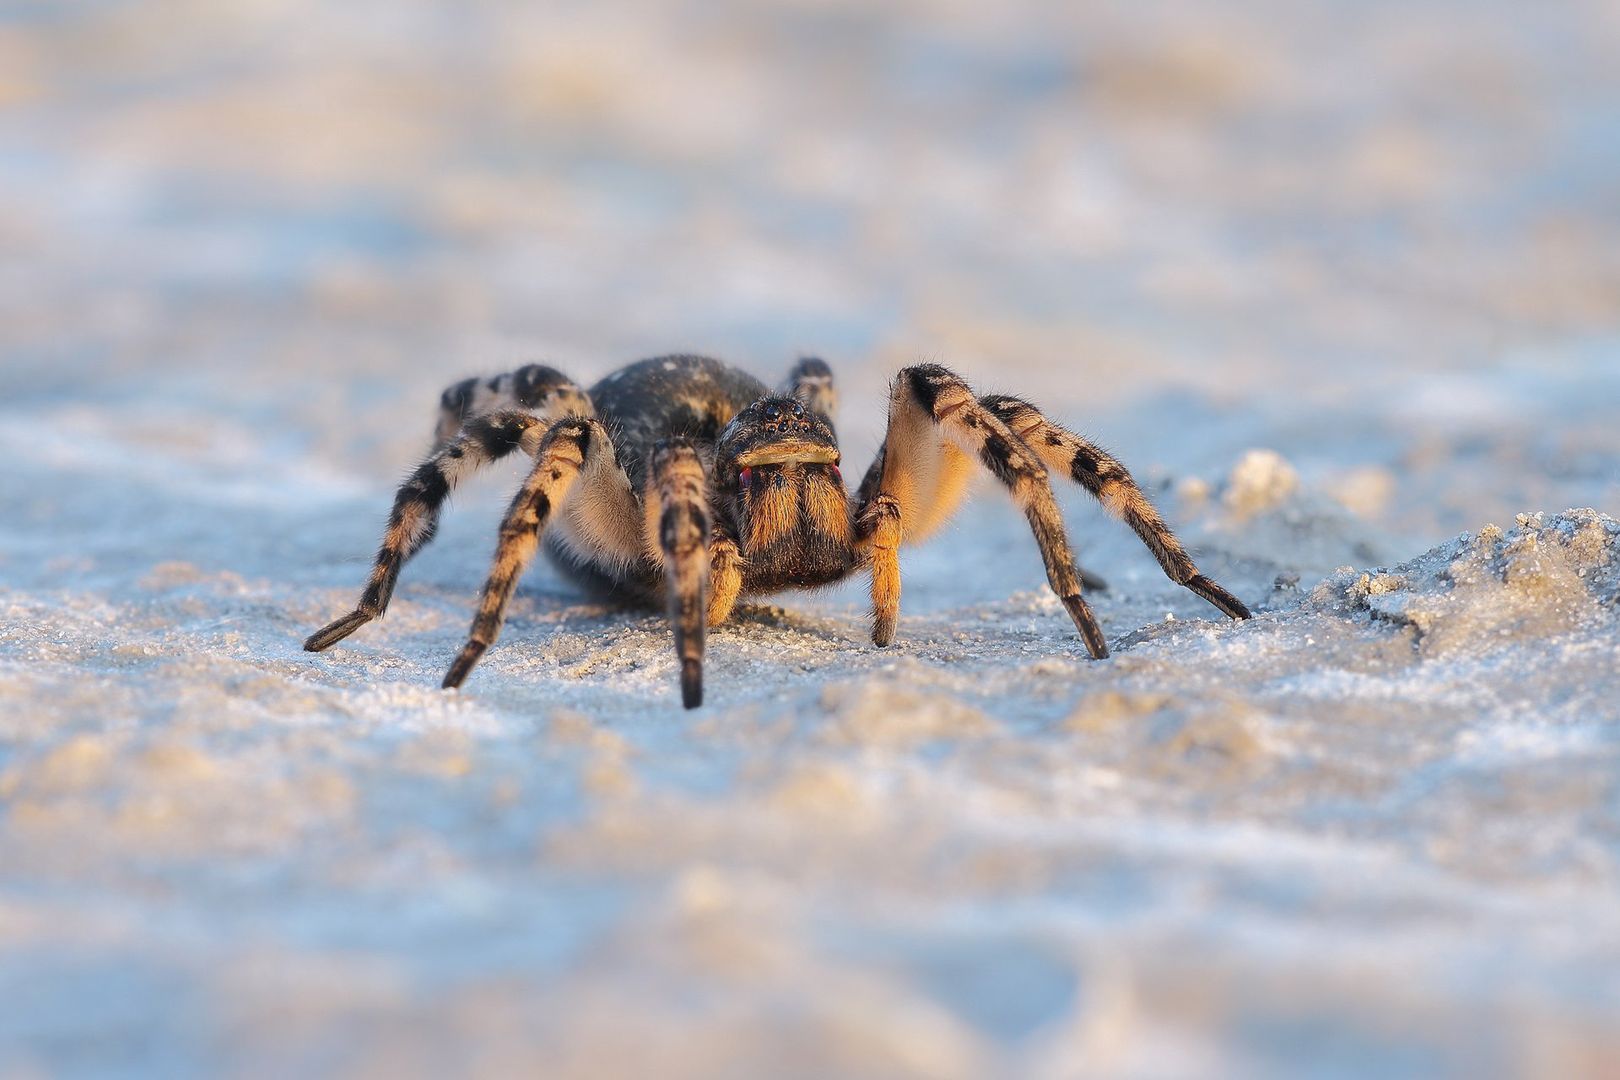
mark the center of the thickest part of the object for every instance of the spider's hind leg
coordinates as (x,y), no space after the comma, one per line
(415,516)
(480,422)
(811,381)
(575,463)
(533,388)
(1101,474)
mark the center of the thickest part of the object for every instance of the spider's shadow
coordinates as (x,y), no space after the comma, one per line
(564,608)
(777,617)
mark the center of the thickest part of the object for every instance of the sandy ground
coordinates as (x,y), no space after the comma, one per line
(1340,281)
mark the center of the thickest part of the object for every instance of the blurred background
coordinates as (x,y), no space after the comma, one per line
(244,245)
(1302,212)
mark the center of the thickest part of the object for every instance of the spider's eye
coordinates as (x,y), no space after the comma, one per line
(798,409)
(745,478)
(773,412)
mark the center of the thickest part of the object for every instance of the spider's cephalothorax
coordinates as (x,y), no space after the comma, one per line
(684,481)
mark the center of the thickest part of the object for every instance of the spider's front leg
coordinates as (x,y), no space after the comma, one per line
(677,529)
(937,429)
(574,457)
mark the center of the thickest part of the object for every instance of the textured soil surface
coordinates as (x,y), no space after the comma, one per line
(1341,283)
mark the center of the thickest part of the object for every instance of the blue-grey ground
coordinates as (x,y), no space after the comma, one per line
(1341,281)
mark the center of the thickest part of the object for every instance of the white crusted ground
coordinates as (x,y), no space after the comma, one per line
(1340,284)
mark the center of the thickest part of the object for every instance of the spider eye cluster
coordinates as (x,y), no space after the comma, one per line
(775,413)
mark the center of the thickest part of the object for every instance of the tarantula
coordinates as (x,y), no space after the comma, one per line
(685,480)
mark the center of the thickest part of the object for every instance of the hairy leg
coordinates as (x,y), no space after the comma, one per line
(725,578)
(677,529)
(415,515)
(574,458)
(534,388)
(811,381)
(936,425)
(1112,485)
(480,422)
(878,526)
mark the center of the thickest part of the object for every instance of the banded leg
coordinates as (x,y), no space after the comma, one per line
(1112,485)
(677,521)
(533,388)
(937,426)
(415,516)
(572,447)
(480,421)
(811,381)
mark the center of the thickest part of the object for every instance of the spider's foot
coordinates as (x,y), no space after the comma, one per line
(691,683)
(1086,623)
(1231,605)
(1092,582)
(883,630)
(336,631)
(464,662)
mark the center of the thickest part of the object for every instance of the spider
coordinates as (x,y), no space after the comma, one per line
(685,481)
